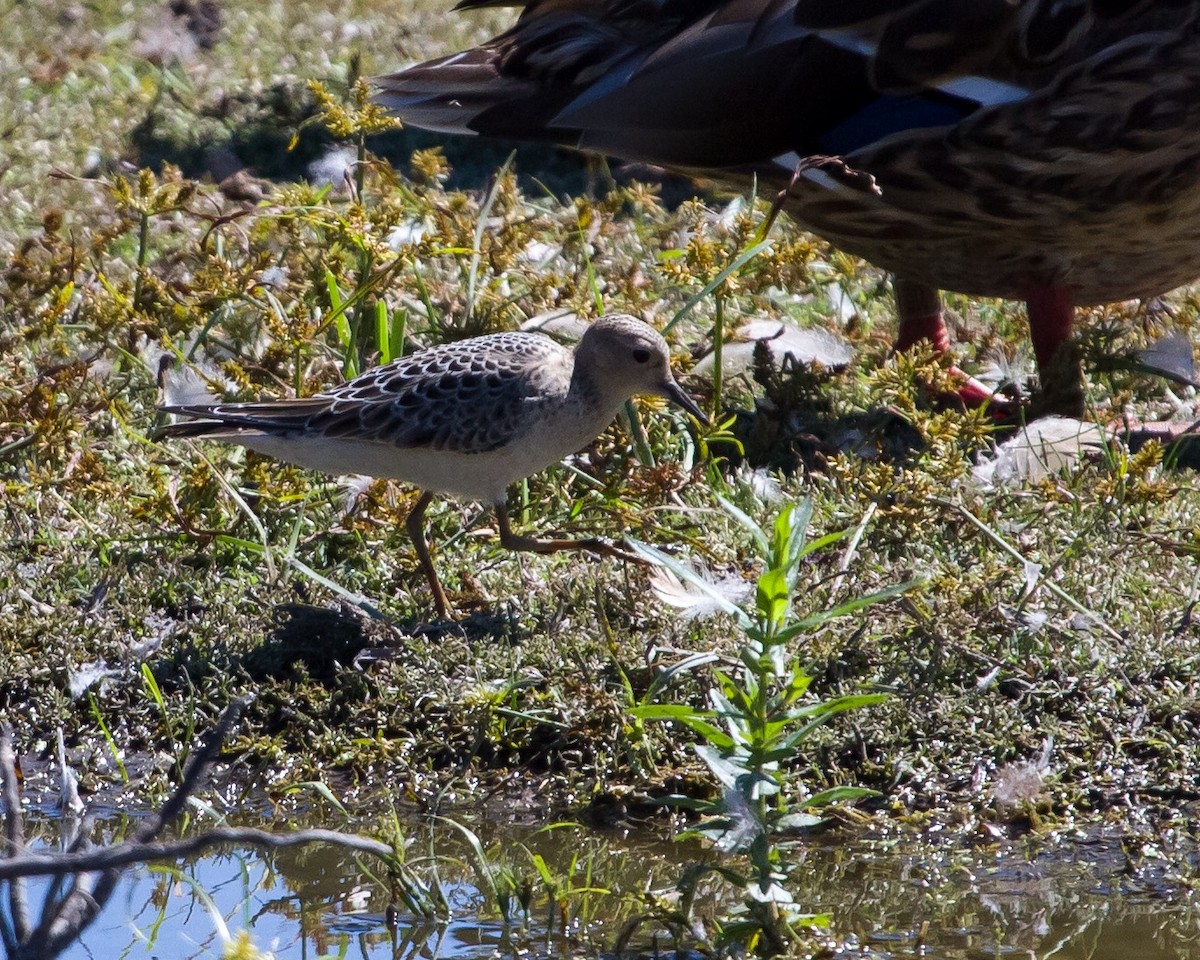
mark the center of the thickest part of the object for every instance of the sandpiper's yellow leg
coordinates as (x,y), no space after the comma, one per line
(415,524)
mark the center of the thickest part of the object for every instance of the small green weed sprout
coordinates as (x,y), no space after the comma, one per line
(758,720)
(721,265)
(509,892)
(571,891)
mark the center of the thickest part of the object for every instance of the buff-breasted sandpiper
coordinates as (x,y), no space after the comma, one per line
(467,418)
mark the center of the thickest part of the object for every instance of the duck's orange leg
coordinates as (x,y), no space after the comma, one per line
(919,309)
(1060,369)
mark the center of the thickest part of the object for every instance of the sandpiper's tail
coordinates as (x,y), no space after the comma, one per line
(189,429)
(230,420)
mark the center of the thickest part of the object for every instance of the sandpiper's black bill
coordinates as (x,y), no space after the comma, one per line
(676,393)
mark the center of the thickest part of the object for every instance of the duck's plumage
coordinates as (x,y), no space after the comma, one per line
(1015,148)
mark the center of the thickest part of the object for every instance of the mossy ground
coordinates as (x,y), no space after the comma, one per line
(218,573)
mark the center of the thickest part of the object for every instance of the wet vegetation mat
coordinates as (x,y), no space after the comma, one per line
(853,603)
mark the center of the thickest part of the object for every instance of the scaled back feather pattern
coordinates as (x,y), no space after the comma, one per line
(1037,150)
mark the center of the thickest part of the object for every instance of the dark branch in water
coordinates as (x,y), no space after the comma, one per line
(14,836)
(129,853)
(93,873)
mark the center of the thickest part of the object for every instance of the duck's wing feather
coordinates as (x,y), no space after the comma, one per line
(458,397)
(703,84)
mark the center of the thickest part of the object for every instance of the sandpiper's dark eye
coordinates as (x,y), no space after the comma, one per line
(641,356)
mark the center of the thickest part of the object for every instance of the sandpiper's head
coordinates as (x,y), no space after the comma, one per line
(624,357)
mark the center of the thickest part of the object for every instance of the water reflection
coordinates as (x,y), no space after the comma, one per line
(1078,899)
(899,896)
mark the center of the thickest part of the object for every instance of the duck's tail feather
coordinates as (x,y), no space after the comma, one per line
(466,93)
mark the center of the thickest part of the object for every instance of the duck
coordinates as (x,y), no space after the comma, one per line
(1045,151)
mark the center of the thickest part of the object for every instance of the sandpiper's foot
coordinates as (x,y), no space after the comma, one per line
(596,545)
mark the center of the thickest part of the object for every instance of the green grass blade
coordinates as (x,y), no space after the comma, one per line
(734,266)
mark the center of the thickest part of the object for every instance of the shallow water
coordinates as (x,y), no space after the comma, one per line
(896,896)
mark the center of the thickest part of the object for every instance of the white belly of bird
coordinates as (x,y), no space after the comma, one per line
(472,476)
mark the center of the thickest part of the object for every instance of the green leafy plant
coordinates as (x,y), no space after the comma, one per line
(567,891)
(509,891)
(759,718)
